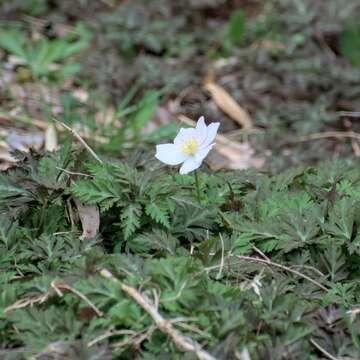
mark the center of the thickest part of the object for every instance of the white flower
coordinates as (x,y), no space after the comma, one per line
(190,146)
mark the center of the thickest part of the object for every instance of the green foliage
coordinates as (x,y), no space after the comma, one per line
(35,7)
(350,44)
(43,57)
(158,213)
(145,110)
(135,110)
(190,259)
(156,236)
(236,27)
(130,219)
(7,231)
(156,240)
(96,192)
(38,327)
(133,28)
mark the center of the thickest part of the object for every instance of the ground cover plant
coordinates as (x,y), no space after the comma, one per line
(242,242)
(262,264)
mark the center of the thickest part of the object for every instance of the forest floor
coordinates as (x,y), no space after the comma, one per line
(99,242)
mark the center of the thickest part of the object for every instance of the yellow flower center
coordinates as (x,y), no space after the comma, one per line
(190,146)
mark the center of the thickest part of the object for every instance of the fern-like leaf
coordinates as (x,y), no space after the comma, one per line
(97,192)
(130,219)
(159,213)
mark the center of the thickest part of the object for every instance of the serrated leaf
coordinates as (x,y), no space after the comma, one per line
(341,219)
(155,240)
(130,219)
(7,231)
(158,213)
(334,261)
(13,42)
(96,192)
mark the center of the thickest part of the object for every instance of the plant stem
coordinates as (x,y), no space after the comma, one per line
(197,186)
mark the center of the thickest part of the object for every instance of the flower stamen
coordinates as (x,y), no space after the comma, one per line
(190,146)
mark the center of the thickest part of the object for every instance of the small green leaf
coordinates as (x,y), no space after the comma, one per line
(350,44)
(96,192)
(236,27)
(13,42)
(130,219)
(155,240)
(158,213)
(146,109)
(7,231)
(341,219)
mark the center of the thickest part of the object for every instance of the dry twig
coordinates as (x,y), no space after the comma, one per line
(59,285)
(323,351)
(137,338)
(283,267)
(26,301)
(329,134)
(273,264)
(72,172)
(77,136)
(218,276)
(182,342)
(260,253)
(349,113)
(134,339)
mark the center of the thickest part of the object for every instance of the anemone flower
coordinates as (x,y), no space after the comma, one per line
(190,146)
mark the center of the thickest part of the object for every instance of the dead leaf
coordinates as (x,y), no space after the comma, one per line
(85,314)
(81,94)
(14,61)
(30,300)
(228,105)
(239,156)
(106,117)
(6,156)
(51,141)
(90,219)
(25,141)
(270,45)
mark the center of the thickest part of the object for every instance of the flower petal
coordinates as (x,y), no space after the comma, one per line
(212,130)
(201,154)
(201,130)
(184,134)
(189,165)
(170,154)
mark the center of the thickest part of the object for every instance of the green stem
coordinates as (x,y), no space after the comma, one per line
(197,186)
